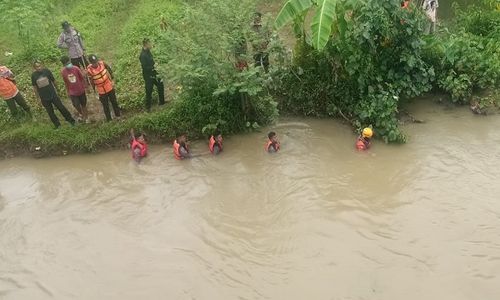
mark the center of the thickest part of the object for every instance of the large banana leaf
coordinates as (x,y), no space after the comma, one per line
(322,23)
(292,10)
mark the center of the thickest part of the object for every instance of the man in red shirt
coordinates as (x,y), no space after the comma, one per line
(75,86)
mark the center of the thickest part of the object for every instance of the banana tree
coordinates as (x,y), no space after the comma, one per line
(322,22)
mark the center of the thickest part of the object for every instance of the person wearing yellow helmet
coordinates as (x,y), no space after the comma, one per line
(364,140)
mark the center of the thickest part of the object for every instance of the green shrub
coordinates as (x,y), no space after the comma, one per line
(468,56)
(371,62)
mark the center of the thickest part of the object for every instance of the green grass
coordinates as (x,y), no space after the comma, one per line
(159,126)
(114,32)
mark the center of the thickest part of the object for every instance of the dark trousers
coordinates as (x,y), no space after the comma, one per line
(49,107)
(150,82)
(105,99)
(79,102)
(262,60)
(19,99)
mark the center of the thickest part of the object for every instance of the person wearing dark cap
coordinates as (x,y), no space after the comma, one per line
(101,77)
(71,39)
(45,89)
(150,74)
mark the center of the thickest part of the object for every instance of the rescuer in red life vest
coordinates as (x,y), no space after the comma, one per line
(364,140)
(138,146)
(181,148)
(215,143)
(272,145)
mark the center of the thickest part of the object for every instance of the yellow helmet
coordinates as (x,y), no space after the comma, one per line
(367,132)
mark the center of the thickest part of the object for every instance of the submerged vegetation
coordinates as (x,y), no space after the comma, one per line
(354,60)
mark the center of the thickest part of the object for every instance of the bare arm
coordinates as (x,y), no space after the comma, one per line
(132,134)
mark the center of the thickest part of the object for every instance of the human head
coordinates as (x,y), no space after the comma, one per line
(218,136)
(93,60)
(65,60)
(37,65)
(182,138)
(272,136)
(146,43)
(257,18)
(66,26)
(140,137)
(367,133)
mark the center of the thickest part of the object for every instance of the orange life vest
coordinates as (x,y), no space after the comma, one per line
(142,147)
(7,88)
(362,144)
(270,143)
(405,4)
(100,77)
(212,143)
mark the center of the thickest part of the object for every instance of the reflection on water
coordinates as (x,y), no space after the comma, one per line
(316,221)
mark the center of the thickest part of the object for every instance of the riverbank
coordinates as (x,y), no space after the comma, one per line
(42,140)
(208,92)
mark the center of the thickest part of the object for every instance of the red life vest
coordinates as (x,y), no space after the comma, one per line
(177,152)
(8,88)
(212,143)
(241,65)
(405,4)
(362,144)
(270,143)
(142,147)
(100,77)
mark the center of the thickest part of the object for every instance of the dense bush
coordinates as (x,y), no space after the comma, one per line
(372,61)
(468,56)
(199,50)
(378,55)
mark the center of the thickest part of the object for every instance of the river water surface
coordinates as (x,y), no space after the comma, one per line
(316,221)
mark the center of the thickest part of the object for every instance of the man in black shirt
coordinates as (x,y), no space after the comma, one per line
(44,86)
(150,74)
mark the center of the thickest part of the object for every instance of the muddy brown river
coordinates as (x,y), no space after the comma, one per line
(316,221)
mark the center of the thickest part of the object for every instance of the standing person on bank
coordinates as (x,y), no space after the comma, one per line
(151,75)
(101,77)
(430,8)
(10,93)
(71,39)
(75,86)
(44,86)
